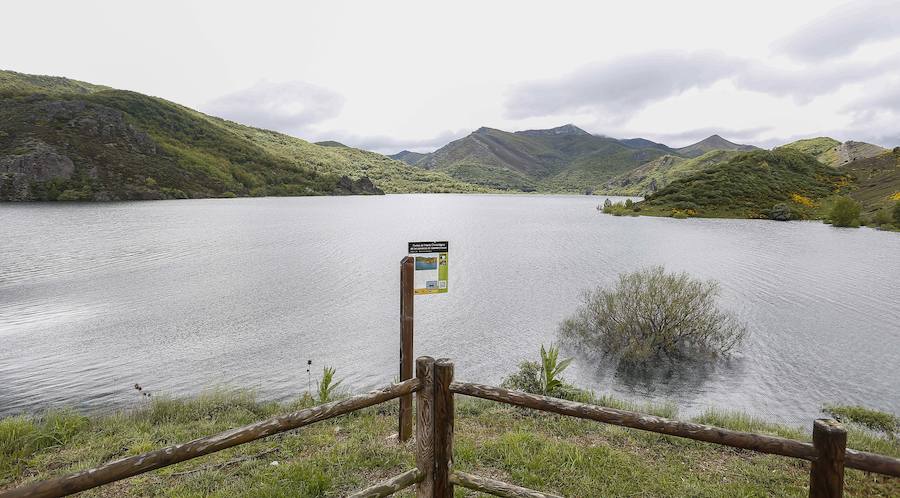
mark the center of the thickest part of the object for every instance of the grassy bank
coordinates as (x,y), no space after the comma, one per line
(545,452)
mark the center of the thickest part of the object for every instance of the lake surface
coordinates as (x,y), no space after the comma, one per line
(185,296)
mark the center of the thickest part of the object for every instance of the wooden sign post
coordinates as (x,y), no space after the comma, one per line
(432,263)
(406,343)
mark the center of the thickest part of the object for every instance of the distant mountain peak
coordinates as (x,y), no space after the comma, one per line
(713,142)
(566,129)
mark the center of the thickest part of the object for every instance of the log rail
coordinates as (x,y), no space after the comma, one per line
(139,464)
(435,476)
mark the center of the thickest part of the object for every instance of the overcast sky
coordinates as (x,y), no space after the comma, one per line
(413,75)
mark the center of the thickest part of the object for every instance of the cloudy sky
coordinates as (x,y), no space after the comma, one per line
(413,75)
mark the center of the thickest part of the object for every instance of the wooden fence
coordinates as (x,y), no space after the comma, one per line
(434,475)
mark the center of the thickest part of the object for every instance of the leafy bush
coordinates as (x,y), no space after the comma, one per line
(650,315)
(844,212)
(897,213)
(545,377)
(872,419)
(882,217)
(526,379)
(780,212)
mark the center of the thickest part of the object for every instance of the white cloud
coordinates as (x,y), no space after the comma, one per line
(399,75)
(843,30)
(620,86)
(290,106)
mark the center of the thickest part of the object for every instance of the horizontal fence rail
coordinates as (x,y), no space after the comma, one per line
(139,464)
(860,460)
(494,487)
(391,486)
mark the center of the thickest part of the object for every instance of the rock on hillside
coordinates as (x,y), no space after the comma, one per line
(833,153)
(851,151)
(363,186)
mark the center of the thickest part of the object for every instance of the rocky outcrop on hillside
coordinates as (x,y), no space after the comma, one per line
(41,163)
(363,186)
(52,146)
(851,151)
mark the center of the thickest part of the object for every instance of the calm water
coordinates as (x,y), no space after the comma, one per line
(182,296)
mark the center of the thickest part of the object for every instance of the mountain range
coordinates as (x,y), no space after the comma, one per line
(562,159)
(62,139)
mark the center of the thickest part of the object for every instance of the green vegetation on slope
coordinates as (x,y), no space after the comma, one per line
(656,174)
(563,159)
(813,146)
(332,458)
(749,186)
(62,139)
(833,153)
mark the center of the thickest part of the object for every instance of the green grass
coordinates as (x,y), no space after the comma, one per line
(545,452)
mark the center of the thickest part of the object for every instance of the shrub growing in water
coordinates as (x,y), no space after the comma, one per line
(651,315)
(844,212)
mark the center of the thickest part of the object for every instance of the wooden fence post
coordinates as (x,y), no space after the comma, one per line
(826,474)
(443,428)
(406,344)
(425,426)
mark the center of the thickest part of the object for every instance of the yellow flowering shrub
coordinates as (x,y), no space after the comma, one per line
(802,200)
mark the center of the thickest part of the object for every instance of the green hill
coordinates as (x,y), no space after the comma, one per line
(749,185)
(656,174)
(833,153)
(62,139)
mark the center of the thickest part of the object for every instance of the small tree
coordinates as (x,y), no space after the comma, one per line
(844,212)
(653,315)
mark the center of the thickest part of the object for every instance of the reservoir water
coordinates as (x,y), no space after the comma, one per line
(186,296)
